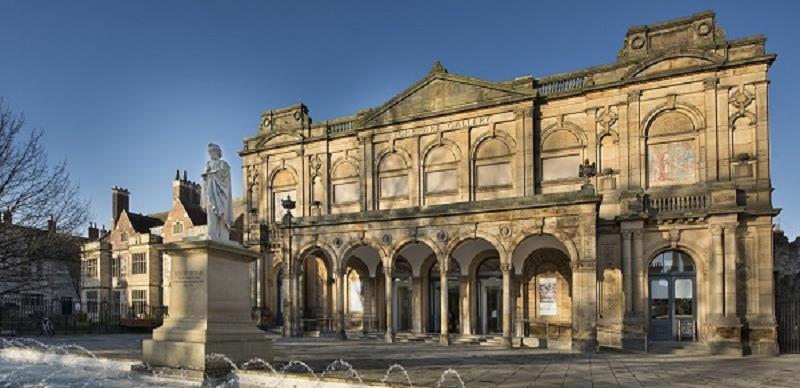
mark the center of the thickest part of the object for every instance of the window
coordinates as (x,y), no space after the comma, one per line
(139,302)
(90,268)
(393,177)
(123,236)
(66,305)
(345,181)
(441,175)
(138,264)
(283,185)
(493,165)
(561,155)
(116,302)
(671,150)
(177,227)
(91,302)
(115,266)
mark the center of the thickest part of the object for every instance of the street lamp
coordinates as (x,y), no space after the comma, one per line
(288,204)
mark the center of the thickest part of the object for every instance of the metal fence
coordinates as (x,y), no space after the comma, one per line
(20,315)
(787,313)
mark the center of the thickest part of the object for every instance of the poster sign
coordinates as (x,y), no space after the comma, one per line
(547,297)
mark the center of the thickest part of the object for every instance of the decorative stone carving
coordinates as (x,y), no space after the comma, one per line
(442,235)
(741,97)
(505,267)
(607,117)
(337,242)
(252,176)
(505,231)
(386,239)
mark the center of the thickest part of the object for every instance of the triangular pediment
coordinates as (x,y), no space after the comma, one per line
(439,92)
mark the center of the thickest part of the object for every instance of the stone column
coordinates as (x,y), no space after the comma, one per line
(507,316)
(444,336)
(730,271)
(341,277)
(416,304)
(639,270)
(627,282)
(464,292)
(387,273)
(716,301)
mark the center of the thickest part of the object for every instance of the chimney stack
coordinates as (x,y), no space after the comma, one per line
(184,190)
(51,225)
(8,217)
(120,200)
(94,233)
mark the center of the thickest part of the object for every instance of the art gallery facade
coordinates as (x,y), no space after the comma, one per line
(608,206)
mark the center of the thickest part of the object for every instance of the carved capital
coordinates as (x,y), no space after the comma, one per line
(626,235)
(505,267)
(634,95)
(715,229)
(710,83)
(388,272)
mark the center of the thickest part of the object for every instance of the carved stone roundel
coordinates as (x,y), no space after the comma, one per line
(441,235)
(703,29)
(637,42)
(337,242)
(505,231)
(387,238)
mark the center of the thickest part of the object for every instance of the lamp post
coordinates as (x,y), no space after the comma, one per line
(288,204)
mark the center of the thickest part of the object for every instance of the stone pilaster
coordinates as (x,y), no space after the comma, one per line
(444,336)
(507,311)
(389,336)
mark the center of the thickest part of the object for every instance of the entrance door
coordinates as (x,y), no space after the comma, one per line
(490,306)
(402,305)
(453,309)
(672,297)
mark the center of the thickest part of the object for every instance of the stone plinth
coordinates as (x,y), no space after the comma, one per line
(209,308)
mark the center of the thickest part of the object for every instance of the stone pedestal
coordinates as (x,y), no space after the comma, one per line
(209,308)
(725,336)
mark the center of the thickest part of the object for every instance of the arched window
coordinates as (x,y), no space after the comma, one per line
(441,175)
(283,185)
(493,165)
(671,150)
(671,262)
(562,153)
(393,178)
(345,183)
(177,227)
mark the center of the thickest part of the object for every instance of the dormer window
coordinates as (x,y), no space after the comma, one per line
(177,227)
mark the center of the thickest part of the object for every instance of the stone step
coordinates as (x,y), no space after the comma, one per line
(677,348)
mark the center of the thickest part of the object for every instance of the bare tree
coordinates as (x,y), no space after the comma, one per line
(44,204)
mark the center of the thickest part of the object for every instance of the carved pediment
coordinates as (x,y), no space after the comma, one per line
(291,118)
(440,91)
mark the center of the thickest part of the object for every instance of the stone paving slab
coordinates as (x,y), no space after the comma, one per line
(480,366)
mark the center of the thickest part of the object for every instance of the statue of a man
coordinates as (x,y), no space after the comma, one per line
(216,196)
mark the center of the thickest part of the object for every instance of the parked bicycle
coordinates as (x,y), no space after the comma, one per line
(45,326)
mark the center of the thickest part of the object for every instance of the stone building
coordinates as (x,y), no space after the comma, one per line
(607,206)
(123,269)
(787,254)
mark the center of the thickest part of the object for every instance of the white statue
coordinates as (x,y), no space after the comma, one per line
(216,196)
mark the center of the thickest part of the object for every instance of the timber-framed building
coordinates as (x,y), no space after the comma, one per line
(608,206)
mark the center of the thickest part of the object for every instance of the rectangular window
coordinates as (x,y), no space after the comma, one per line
(394,186)
(444,181)
(115,266)
(494,175)
(90,268)
(138,263)
(561,167)
(139,302)
(345,193)
(116,302)
(91,302)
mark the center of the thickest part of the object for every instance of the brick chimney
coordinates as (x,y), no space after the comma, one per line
(120,200)
(51,225)
(184,190)
(94,233)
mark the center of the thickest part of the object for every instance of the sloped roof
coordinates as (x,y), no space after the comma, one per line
(196,214)
(142,223)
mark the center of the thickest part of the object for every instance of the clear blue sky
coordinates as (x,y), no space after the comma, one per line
(128,92)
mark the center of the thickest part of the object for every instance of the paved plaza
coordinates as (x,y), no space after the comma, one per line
(481,366)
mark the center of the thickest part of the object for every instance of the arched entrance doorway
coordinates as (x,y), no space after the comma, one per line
(489,296)
(673,302)
(547,295)
(402,295)
(316,294)
(435,298)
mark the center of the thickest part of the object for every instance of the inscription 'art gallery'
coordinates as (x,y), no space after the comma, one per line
(608,206)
